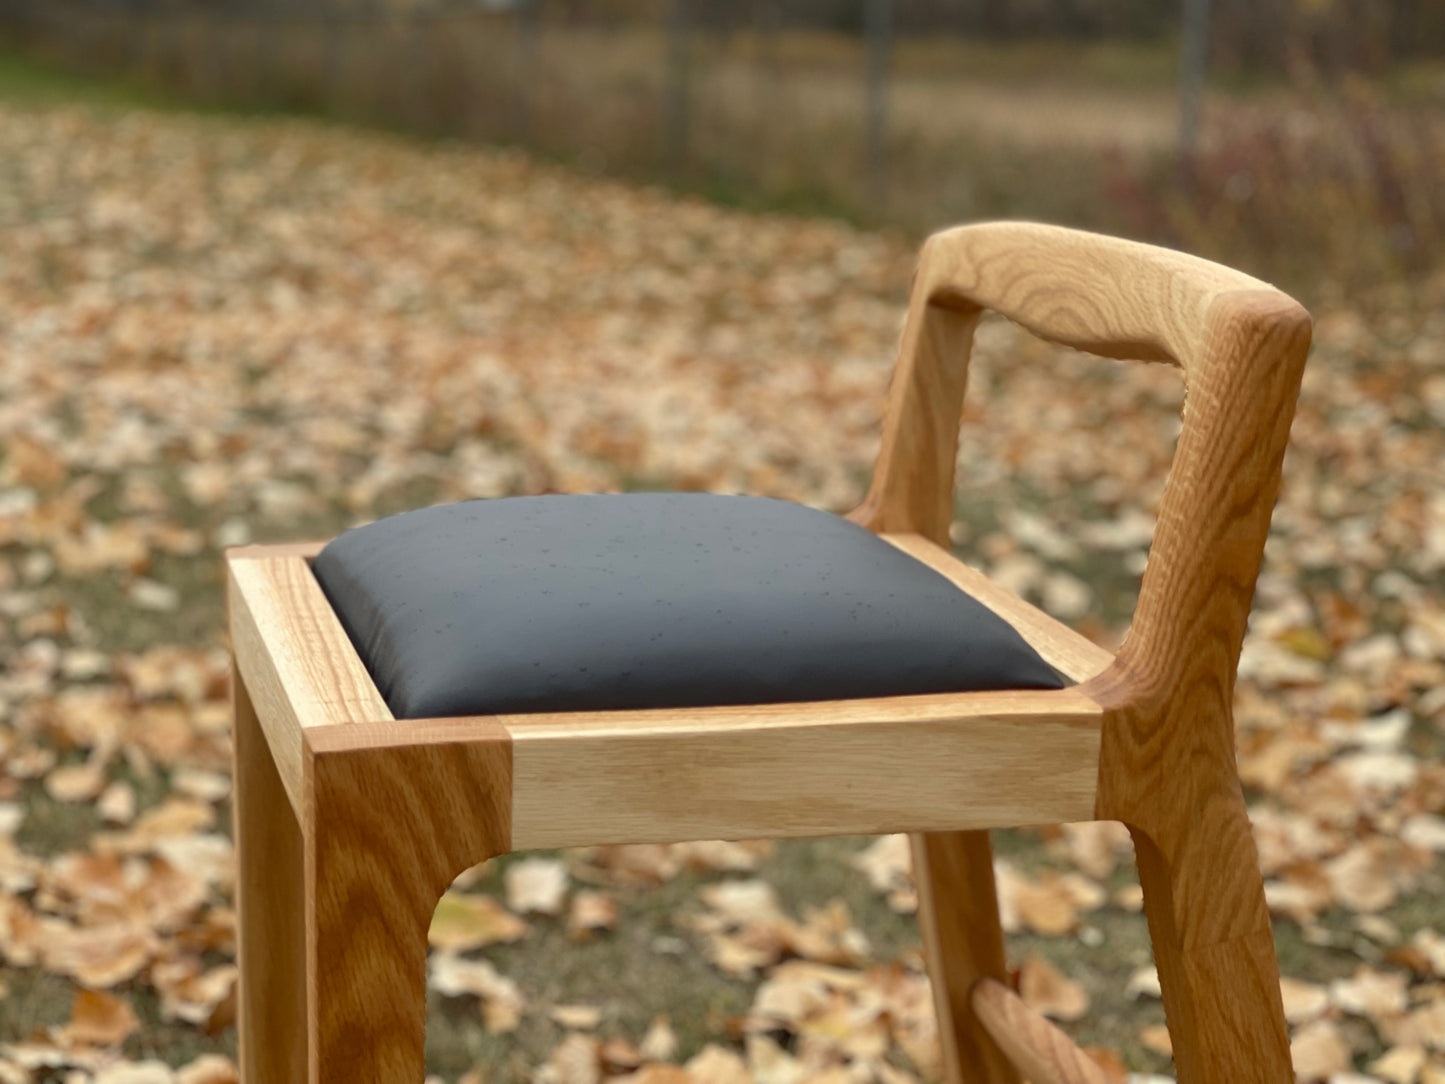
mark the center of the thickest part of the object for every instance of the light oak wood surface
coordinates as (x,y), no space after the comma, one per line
(1167,764)
(297,662)
(842,767)
(381,814)
(1074,656)
(964,946)
(271,909)
(1043,1053)
(397,811)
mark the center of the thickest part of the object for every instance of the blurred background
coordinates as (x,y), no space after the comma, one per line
(269,270)
(1319,139)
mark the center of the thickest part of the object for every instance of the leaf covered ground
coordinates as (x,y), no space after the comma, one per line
(217,330)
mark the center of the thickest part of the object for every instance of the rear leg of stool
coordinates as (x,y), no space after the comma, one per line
(398,810)
(963,942)
(1204,899)
(271,909)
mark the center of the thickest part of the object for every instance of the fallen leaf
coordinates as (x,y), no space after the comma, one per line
(462,922)
(99,1019)
(536,886)
(1046,990)
(714,1064)
(1369,993)
(576,1017)
(591,913)
(1303,1001)
(660,1042)
(502,1001)
(575,1060)
(1318,1051)
(1155,1037)
(1402,1065)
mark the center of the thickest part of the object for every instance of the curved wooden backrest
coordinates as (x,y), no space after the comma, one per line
(1240,343)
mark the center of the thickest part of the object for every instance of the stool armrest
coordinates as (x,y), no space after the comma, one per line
(1241,345)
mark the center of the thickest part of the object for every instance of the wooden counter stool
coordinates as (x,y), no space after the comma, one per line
(459,682)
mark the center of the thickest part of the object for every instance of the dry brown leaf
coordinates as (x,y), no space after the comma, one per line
(99,1019)
(76,782)
(502,1001)
(116,804)
(723,856)
(99,957)
(1402,1065)
(591,913)
(145,1072)
(209,1069)
(660,1042)
(714,1064)
(1046,990)
(191,992)
(462,922)
(536,886)
(769,1063)
(1155,1037)
(619,1056)
(660,1074)
(1422,1026)
(576,1017)
(1318,1051)
(1050,905)
(1144,982)
(1303,1001)
(176,817)
(575,1060)
(634,864)
(888,865)
(1095,847)
(1369,993)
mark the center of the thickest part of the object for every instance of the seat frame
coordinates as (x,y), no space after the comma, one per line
(351,824)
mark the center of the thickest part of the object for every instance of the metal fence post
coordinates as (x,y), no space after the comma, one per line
(1193,59)
(878,26)
(527,77)
(676,103)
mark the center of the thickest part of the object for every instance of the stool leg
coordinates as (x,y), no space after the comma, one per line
(1204,899)
(368,987)
(963,942)
(270,904)
(391,825)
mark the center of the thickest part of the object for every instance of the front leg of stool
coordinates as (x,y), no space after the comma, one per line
(271,909)
(398,809)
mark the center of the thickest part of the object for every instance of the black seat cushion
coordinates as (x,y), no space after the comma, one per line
(649,600)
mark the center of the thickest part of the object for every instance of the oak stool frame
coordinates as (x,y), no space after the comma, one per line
(351,824)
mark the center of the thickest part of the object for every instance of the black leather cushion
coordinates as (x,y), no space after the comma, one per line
(648,600)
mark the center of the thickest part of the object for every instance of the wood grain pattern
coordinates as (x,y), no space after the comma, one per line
(1167,767)
(271,909)
(1167,763)
(294,656)
(307,551)
(388,812)
(963,944)
(1040,1051)
(866,766)
(1061,647)
(397,811)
